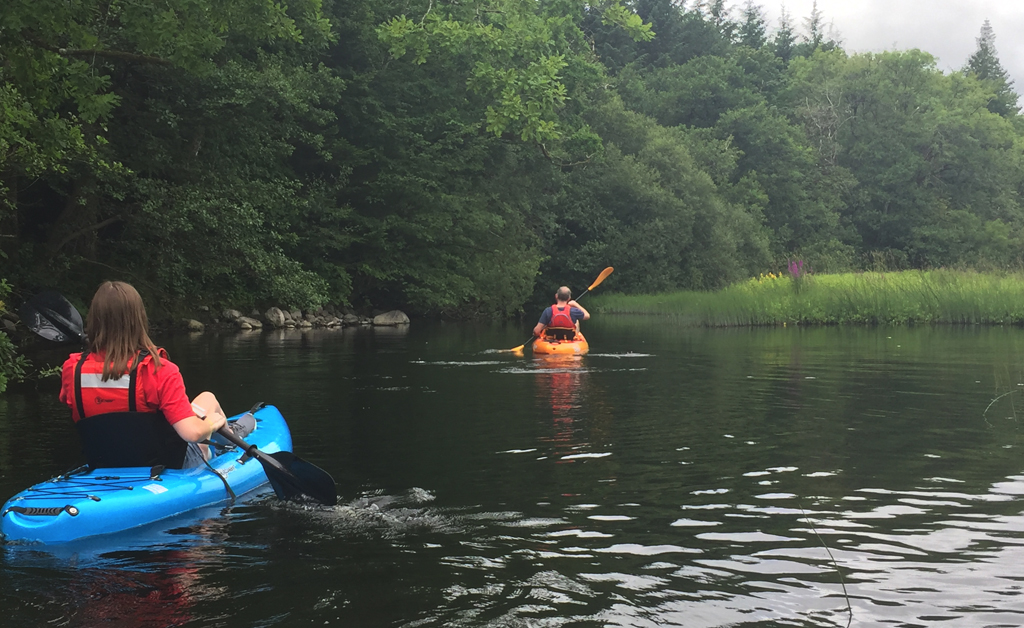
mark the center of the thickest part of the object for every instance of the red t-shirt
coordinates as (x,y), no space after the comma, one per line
(156,390)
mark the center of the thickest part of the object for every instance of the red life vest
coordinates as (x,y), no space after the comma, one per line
(93,396)
(114,433)
(562,318)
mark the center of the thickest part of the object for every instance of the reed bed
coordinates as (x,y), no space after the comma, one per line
(934,296)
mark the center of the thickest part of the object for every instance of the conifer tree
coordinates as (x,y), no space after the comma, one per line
(818,35)
(984,64)
(814,25)
(753,30)
(785,38)
(718,14)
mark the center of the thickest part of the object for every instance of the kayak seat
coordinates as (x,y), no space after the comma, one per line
(560,333)
(130,439)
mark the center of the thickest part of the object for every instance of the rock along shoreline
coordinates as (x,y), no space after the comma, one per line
(280,318)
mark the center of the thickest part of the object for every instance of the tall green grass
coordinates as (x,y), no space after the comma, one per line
(935,296)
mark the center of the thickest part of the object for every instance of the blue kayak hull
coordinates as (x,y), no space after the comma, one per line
(106,501)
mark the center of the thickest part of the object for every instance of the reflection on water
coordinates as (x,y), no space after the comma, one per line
(561,379)
(160,597)
(674,477)
(150,577)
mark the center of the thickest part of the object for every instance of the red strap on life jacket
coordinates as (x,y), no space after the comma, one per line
(561,318)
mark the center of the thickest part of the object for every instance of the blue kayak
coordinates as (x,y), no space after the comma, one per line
(104,501)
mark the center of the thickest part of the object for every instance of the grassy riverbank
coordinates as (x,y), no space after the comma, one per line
(937,296)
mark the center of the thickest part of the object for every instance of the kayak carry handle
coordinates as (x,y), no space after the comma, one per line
(31,511)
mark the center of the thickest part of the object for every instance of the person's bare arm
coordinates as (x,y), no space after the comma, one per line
(586,314)
(208,419)
(195,430)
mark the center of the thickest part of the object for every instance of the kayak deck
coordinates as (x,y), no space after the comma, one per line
(551,346)
(104,501)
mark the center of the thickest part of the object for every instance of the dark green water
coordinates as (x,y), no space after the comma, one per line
(674,477)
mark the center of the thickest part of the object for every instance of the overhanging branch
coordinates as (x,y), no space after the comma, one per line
(562,164)
(82,232)
(112,54)
(100,52)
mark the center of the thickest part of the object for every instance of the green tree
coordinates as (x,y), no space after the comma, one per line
(12,365)
(438,157)
(93,83)
(933,167)
(695,93)
(784,42)
(681,35)
(718,15)
(651,207)
(439,208)
(814,24)
(58,58)
(817,34)
(803,206)
(753,29)
(985,66)
(211,184)
(731,97)
(518,55)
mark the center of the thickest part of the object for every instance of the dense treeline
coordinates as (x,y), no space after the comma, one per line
(454,158)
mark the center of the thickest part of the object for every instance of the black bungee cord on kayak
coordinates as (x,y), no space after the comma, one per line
(74,488)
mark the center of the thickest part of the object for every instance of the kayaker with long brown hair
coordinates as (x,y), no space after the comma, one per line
(123,377)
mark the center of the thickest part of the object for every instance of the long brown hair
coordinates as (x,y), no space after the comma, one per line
(118,327)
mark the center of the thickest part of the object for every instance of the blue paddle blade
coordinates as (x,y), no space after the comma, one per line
(51,316)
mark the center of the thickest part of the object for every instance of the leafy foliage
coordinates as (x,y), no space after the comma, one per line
(462,158)
(12,365)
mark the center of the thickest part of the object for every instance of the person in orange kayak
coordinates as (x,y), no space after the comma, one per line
(561,320)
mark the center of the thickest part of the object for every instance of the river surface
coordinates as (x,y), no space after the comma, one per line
(673,477)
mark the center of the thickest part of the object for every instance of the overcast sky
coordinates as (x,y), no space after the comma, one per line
(948,29)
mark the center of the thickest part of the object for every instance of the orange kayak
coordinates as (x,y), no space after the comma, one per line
(549,346)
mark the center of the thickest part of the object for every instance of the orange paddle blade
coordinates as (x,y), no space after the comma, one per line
(518,349)
(604,275)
